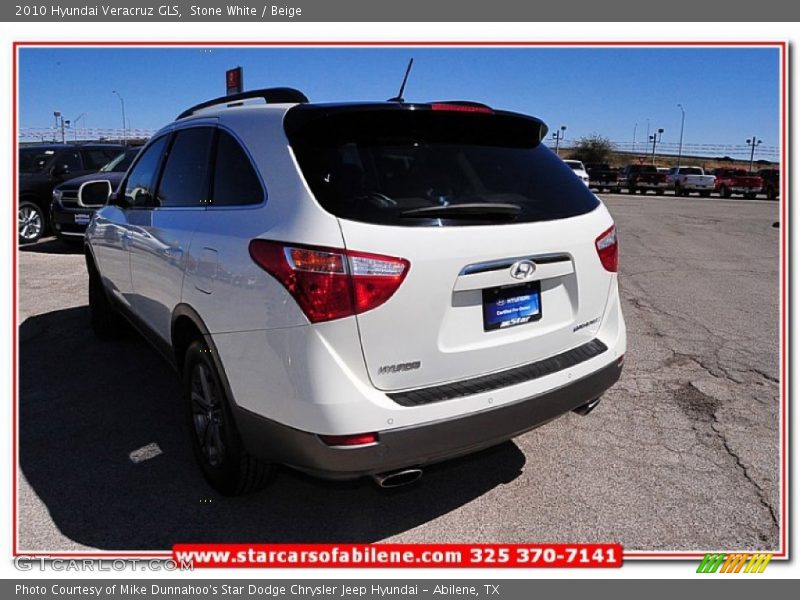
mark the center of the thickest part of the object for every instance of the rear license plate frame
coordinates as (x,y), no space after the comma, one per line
(519,294)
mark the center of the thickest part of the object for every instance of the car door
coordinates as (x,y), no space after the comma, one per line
(111,231)
(161,234)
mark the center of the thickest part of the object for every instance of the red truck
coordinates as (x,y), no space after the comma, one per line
(737,181)
(640,178)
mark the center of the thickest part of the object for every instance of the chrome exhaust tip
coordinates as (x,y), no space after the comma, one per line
(395,479)
(588,407)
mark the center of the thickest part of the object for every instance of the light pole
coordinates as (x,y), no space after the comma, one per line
(558,136)
(680,143)
(124,133)
(56,115)
(654,138)
(75,124)
(753,142)
(633,145)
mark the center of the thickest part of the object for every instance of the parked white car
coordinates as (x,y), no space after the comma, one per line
(685,180)
(579,169)
(359,289)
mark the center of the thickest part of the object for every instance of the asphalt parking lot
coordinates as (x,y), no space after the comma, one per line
(682,454)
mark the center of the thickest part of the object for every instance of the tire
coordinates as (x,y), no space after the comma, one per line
(106,322)
(705,194)
(724,192)
(31,223)
(631,190)
(216,444)
(678,189)
(659,192)
(750,196)
(772,192)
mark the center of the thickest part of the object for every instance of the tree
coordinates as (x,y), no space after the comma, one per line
(593,149)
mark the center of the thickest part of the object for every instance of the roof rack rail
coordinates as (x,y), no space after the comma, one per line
(278,95)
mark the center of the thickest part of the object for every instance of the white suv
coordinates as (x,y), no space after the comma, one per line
(359,289)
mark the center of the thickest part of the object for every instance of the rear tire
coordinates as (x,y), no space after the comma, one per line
(216,443)
(106,322)
(678,190)
(724,192)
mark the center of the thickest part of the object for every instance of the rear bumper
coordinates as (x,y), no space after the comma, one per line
(420,444)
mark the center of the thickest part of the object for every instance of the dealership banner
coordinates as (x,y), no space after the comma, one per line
(407,11)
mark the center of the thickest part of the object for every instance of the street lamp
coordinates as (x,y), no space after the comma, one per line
(558,136)
(56,115)
(655,138)
(680,144)
(75,124)
(753,142)
(633,145)
(124,133)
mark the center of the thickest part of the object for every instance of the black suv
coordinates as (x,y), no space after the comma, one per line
(44,166)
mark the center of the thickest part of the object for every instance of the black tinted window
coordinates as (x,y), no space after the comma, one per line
(235,180)
(185,178)
(393,167)
(70,160)
(95,158)
(139,187)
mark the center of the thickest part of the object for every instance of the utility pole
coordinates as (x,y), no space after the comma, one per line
(633,145)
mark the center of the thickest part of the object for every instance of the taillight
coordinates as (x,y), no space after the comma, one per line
(607,248)
(330,283)
(357,439)
(470,108)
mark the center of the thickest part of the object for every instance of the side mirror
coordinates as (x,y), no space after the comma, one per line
(94,193)
(118,199)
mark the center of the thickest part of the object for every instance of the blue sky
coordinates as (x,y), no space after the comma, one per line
(729,94)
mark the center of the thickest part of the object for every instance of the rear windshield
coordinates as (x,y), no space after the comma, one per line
(691,171)
(439,168)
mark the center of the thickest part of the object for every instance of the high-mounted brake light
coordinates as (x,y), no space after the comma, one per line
(358,439)
(608,249)
(330,283)
(461,108)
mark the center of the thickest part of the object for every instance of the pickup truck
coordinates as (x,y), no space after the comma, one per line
(685,180)
(770,182)
(737,181)
(602,177)
(640,178)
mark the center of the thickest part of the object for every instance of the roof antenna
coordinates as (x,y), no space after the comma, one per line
(399,97)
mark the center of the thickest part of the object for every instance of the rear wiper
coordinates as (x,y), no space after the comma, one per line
(470,210)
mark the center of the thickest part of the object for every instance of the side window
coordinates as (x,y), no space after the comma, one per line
(185,178)
(94,158)
(139,187)
(235,180)
(69,159)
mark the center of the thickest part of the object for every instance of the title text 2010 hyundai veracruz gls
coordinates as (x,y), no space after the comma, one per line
(359,289)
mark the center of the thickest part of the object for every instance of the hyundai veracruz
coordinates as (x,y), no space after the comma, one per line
(359,289)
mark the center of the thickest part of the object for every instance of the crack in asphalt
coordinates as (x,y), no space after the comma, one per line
(699,406)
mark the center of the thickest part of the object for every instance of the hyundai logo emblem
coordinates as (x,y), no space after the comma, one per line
(522,269)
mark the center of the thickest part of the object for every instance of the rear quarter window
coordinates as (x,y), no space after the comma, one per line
(381,166)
